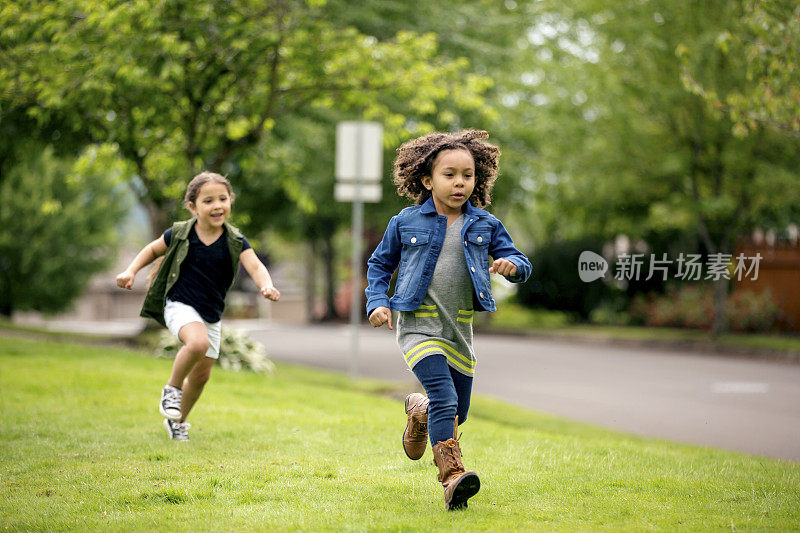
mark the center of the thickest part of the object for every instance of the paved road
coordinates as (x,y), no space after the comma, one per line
(739,404)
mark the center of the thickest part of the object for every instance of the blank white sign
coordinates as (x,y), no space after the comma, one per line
(359,150)
(346,192)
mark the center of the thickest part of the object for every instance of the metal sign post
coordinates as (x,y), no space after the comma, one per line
(359,162)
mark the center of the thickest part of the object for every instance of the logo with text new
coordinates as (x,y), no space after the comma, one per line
(591,266)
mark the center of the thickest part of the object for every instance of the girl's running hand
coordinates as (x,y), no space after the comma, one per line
(504,267)
(271,293)
(381,316)
(125,279)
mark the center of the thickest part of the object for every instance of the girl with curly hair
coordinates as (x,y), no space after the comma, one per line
(441,247)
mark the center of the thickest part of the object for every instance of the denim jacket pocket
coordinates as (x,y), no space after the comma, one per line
(478,246)
(479,237)
(414,243)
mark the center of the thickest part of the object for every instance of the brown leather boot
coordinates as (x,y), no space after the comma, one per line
(415,437)
(459,484)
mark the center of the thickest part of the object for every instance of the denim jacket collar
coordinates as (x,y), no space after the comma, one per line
(429,208)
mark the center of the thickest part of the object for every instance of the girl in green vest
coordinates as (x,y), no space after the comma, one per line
(187,295)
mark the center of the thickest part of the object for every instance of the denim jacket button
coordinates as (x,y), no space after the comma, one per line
(472,268)
(465,243)
(481,295)
(413,240)
(480,239)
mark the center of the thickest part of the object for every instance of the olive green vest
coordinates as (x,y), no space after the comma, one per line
(170,268)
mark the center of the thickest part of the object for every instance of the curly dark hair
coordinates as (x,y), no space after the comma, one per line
(415,159)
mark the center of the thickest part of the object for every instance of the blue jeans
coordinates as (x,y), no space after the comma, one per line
(448,392)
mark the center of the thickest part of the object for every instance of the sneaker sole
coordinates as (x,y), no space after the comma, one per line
(174,418)
(169,430)
(169,433)
(466,489)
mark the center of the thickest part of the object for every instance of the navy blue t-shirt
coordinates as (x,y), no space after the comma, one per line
(206,274)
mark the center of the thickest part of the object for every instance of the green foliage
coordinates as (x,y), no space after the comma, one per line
(632,150)
(58,226)
(487,34)
(628,148)
(767,39)
(276,454)
(511,316)
(237,351)
(692,306)
(182,86)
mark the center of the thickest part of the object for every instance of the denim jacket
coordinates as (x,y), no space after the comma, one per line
(413,240)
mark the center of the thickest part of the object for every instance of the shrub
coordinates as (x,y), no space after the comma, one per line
(608,313)
(752,311)
(513,316)
(237,351)
(692,306)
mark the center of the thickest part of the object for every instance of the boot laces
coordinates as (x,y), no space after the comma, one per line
(418,429)
(452,456)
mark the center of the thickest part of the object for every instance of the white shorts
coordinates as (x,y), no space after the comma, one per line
(177,315)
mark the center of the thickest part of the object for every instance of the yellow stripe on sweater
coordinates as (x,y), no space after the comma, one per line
(449,352)
(435,349)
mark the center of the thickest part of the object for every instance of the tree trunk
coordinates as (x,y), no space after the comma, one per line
(720,325)
(159,219)
(330,279)
(311,278)
(7,300)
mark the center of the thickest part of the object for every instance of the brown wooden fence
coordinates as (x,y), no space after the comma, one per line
(779,271)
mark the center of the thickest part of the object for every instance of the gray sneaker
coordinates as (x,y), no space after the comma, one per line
(170,404)
(177,430)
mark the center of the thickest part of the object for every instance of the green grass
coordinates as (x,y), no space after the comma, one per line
(514,318)
(82,448)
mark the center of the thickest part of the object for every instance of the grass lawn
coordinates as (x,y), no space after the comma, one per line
(82,448)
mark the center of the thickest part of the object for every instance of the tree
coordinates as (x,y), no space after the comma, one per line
(183,85)
(631,150)
(767,39)
(58,226)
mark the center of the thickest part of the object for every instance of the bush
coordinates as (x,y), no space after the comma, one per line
(692,306)
(752,311)
(58,225)
(237,351)
(555,284)
(513,316)
(608,313)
